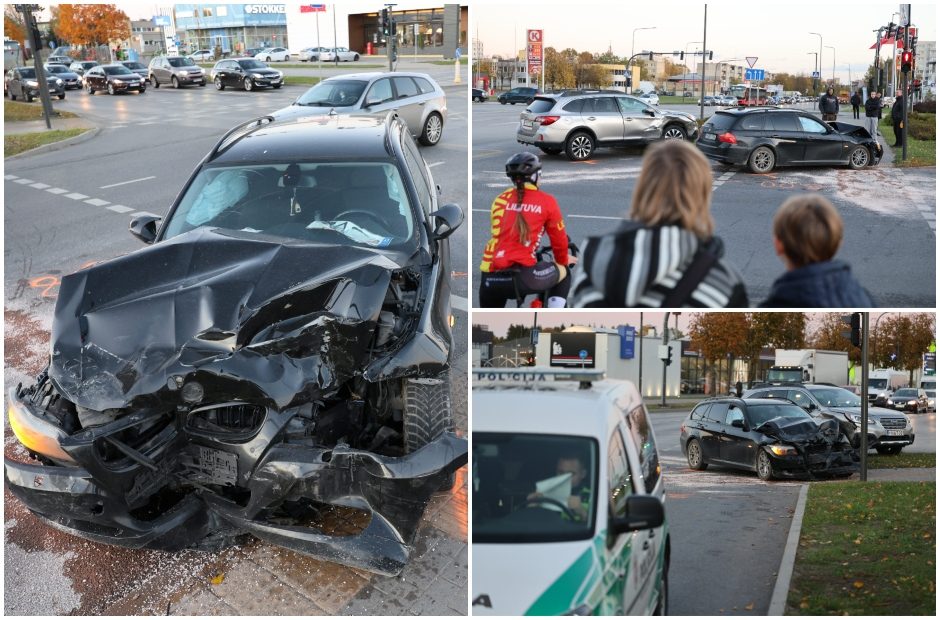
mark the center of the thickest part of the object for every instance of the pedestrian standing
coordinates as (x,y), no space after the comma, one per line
(872,113)
(897,117)
(856,102)
(829,105)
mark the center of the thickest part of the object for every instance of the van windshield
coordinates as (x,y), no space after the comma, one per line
(533,488)
(878,384)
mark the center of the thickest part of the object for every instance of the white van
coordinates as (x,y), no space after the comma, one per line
(883,382)
(568,514)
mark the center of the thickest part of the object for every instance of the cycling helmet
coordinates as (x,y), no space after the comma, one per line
(525,166)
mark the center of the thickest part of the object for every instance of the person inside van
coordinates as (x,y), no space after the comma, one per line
(579,502)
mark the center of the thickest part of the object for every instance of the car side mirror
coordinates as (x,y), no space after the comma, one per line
(649,112)
(449,218)
(738,423)
(643,512)
(372,101)
(145,228)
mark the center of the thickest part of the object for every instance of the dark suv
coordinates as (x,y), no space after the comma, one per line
(772,437)
(278,353)
(765,138)
(522,94)
(888,431)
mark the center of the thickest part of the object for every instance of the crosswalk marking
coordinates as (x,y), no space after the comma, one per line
(119,208)
(76,196)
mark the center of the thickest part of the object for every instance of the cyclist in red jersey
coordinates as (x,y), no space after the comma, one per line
(518,217)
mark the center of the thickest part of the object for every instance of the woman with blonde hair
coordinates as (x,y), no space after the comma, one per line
(665,255)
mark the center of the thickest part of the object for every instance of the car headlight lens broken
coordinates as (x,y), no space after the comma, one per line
(192,392)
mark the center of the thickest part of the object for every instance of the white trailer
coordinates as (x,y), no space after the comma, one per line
(810,366)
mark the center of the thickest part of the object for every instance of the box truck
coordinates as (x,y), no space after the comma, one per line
(809,366)
(882,382)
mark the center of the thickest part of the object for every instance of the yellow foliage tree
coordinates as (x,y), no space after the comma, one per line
(92,24)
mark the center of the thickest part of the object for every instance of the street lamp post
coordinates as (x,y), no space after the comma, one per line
(632,45)
(818,62)
(833,64)
(815,62)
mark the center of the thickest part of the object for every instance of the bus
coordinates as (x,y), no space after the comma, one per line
(11,54)
(749,95)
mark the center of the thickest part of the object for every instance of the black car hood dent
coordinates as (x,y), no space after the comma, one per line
(800,431)
(292,319)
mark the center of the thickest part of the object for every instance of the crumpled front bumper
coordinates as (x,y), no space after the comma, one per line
(820,464)
(394,491)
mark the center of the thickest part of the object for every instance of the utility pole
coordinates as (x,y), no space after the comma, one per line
(864,443)
(666,339)
(904,77)
(701,98)
(640,378)
(32,34)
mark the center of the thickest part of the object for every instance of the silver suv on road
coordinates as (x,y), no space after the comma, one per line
(579,123)
(176,70)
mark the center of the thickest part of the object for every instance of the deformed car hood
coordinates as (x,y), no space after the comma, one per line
(874,413)
(800,430)
(291,317)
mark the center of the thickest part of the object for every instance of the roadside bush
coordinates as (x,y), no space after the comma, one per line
(922,126)
(929,107)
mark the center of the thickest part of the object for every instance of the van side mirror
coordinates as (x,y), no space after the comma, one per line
(643,512)
(448,219)
(145,228)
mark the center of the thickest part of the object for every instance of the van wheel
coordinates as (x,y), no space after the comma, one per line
(859,158)
(762,160)
(579,146)
(693,454)
(764,469)
(427,414)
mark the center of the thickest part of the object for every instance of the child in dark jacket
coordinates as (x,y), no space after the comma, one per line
(807,232)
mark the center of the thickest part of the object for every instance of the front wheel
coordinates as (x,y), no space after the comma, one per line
(61,97)
(29,98)
(859,158)
(276,86)
(176,82)
(433,130)
(110,88)
(580,146)
(762,160)
(249,85)
(287,58)
(155,81)
(765,470)
(91,91)
(674,132)
(268,59)
(427,413)
(218,84)
(356,57)
(693,454)
(662,602)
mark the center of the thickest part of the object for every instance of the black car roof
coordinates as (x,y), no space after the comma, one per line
(754,110)
(328,137)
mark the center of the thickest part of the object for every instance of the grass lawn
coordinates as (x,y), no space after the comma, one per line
(17,143)
(866,548)
(905,459)
(463,61)
(15,111)
(919,152)
(306,80)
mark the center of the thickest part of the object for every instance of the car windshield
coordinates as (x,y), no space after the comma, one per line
(836,397)
(252,64)
(117,70)
(906,393)
(759,414)
(533,488)
(181,61)
(89,65)
(135,66)
(56,69)
(333,93)
(344,203)
(27,73)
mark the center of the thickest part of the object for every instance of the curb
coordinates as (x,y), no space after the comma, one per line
(778,601)
(55,146)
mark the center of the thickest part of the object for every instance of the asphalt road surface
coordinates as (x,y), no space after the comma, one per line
(70,207)
(889,213)
(728,527)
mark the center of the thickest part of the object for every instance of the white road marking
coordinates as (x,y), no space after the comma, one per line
(437,163)
(40,185)
(97,202)
(24,181)
(126,182)
(10,177)
(76,196)
(56,190)
(144,214)
(460,303)
(120,208)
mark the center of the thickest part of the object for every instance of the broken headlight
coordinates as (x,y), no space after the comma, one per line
(782,450)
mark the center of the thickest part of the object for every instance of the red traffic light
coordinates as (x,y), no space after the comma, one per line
(906,61)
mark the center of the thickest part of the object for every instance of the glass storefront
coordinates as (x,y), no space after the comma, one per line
(417,32)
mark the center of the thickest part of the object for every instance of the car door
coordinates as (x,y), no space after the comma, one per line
(602,115)
(621,589)
(786,134)
(637,120)
(380,98)
(736,445)
(710,431)
(410,101)
(822,144)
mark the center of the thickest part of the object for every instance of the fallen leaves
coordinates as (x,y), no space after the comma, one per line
(218,579)
(859,585)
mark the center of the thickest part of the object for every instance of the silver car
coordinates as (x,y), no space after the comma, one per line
(580,123)
(415,97)
(343,53)
(176,70)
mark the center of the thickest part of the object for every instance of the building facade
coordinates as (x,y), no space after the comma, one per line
(720,76)
(147,39)
(230,27)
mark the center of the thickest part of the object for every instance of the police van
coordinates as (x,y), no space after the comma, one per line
(568,513)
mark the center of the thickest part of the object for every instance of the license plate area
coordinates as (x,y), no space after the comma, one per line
(710,136)
(894,432)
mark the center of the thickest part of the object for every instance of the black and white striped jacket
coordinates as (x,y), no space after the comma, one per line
(637,267)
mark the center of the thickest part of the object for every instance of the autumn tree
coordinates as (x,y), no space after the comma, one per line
(828,337)
(559,71)
(903,339)
(781,330)
(597,76)
(92,24)
(13,25)
(718,336)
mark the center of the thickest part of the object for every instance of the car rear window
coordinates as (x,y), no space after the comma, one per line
(405,86)
(541,104)
(721,122)
(574,106)
(425,85)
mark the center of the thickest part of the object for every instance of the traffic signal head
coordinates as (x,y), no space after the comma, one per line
(907,61)
(383,20)
(682,55)
(854,320)
(710,55)
(651,55)
(669,355)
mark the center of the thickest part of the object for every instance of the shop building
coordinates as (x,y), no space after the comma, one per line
(230,27)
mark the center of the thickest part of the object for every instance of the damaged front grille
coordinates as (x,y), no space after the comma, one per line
(229,421)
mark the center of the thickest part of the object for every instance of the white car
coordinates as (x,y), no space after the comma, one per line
(568,514)
(202,55)
(344,54)
(311,53)
(650,98)
(272,54)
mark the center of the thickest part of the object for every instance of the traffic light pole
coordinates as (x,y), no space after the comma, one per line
(32,32)
(863,449)
(665,361)
(905,74)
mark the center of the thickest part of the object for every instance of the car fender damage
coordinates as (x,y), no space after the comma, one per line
(207,387)
(822,450)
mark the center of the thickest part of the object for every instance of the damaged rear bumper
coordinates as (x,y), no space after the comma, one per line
(392,491)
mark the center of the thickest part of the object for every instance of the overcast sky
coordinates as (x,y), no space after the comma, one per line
(777,34)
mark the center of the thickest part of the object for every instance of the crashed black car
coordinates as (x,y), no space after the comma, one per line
(274,363)
(765,138)
(773,438)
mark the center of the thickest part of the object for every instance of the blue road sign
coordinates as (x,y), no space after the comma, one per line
(583,353)
(815,75)
(754,74)
(627,340)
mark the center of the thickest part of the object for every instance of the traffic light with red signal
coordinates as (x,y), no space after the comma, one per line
(907,61)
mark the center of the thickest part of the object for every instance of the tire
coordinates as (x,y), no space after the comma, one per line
(674,132)
(268,59)
(889,449)
(579,146)
(287,58)
(762,160)
(765,470)
(61,97)
(276,86)
(218,84)
(176,82)
(693,454)
(203,84)
(110,88)
(427,414)
(551,150)
(248,84)
(29,98)
(155,81)
(859,158)
(433,130)
(662,603)
(12,96)
(91,91)
(356,57)
(502,103)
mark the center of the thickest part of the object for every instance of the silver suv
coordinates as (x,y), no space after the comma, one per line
(578,123)
(176,70)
